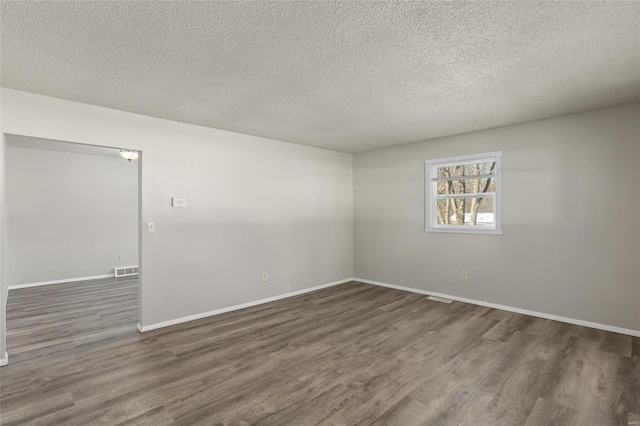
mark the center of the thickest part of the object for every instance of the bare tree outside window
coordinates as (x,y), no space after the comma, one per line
(465,210)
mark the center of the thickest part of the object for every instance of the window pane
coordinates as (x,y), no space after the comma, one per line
(481,168)
(467,186)
(477,211)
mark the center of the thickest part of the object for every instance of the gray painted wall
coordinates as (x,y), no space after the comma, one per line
(254,205)
(69,215)
(570,216)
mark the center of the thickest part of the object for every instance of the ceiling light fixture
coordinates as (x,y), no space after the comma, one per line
(128,154)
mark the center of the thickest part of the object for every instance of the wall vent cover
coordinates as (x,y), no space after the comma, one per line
(126,271)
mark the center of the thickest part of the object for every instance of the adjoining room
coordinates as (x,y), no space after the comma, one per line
(72,241)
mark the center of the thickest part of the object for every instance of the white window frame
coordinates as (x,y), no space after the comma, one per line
(431,198)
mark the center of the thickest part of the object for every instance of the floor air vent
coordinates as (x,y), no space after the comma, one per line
(126,271)
(439,299)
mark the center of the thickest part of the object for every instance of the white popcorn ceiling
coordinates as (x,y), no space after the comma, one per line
(349,76)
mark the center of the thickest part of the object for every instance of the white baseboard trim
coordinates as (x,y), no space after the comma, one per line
(163,324)
(68,280)
(590,324)
(5,360)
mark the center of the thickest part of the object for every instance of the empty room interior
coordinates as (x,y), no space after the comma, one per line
(320,213)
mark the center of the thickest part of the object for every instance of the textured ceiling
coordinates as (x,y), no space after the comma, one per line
(349,76)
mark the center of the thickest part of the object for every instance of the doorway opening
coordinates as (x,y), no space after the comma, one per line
(72,215)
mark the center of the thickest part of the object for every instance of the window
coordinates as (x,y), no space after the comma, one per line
(463,194)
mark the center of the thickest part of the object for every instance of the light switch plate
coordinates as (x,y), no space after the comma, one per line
(151,226)
(178,202)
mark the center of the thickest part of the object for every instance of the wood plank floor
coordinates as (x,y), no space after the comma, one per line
(350,354)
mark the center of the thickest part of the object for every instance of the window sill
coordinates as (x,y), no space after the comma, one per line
(465,231)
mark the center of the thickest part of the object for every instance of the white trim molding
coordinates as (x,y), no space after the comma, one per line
(432,180)
(5,360)
(68,280)
(605,327)
(163,324)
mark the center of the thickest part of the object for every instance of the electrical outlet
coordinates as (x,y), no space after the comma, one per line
(463,275)
(121,257)
(265,277)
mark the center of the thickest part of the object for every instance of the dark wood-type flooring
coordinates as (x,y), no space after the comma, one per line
(350,354)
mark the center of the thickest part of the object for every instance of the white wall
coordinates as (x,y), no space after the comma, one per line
(570,216)
(3,283)
(253,205)
(69,215)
